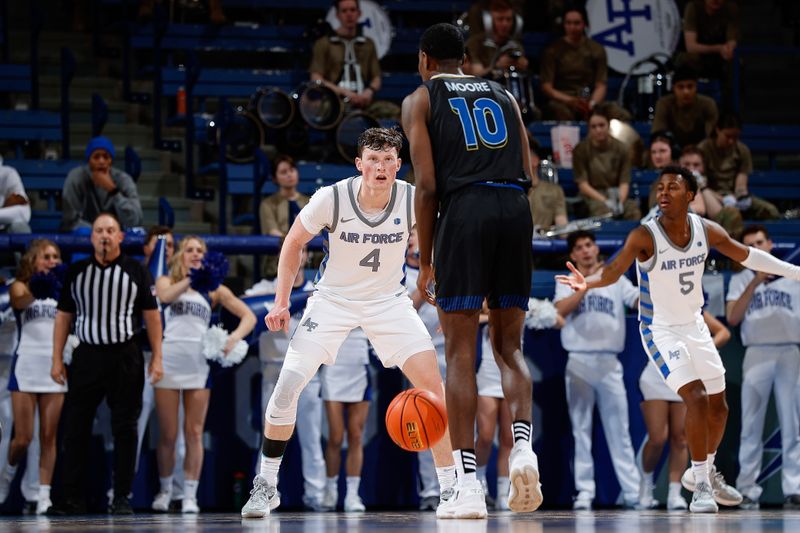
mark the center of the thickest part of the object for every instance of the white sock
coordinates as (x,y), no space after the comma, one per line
(446,476)
(190,489)
(166,484)
(710,458)
(647,477)
(269,469)
(353,482)
(674,489)
(480,472)
(44,492)
(331,482)
(700,471)
(503,485)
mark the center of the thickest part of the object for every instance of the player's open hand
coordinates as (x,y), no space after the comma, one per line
(575,281)
(278,318)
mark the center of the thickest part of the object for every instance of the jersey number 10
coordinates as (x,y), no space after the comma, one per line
(476,122)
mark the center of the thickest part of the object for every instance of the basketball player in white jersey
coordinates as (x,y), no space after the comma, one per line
(367,220)
(593,336)
(670,251)
(767,309)
(428,483)
(272,347)
(30,383)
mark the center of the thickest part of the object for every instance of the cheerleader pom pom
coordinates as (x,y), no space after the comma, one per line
(214,342)
(72,342)
(542,314)
(214,345)
(44,285)
(210,276)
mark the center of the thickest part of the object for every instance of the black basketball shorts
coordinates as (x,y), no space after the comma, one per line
(482,248)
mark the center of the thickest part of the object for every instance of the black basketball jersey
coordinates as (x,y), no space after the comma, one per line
(474,133)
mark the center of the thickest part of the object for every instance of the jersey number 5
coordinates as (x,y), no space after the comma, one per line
(372,260)
(686,284)
(485,122)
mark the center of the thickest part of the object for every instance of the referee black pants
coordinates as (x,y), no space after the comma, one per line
(115,372)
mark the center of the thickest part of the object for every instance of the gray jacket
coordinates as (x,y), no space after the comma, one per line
(82,200)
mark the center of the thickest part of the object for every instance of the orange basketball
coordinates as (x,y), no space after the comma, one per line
(416,420)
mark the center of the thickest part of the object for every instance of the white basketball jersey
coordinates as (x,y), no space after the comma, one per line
(8,326)
(670,282)
(187,318)
(36,324)
(364,254)
(773,315)
(598,324)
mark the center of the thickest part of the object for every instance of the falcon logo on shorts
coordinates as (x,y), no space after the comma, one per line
(675,355)
(309,325)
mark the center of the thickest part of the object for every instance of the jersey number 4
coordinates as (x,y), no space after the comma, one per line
(372,260)
(485,121)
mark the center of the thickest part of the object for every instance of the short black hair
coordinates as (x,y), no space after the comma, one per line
(337,2)
(575,236)
(577,8)
(685,173)
(281,158)
(729,119)
(684,73)
(443,41)
(754,228)
(155,231)
(380,139)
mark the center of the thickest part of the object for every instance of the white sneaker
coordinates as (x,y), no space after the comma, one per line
(43,505)
(723,493)
(263,499)
(525,494)
(189,506)
(5,486)
(646,488)
(676,503)
(501,503)
(161,502)
(329,498)
(353,504)
(468,501)
(703,500)
(583,502)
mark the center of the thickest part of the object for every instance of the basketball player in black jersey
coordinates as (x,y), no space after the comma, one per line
(467,138)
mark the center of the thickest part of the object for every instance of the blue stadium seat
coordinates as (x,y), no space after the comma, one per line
(15,78)
(30,125)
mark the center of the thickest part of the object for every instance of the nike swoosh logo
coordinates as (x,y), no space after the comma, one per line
(344,220)
(663,251)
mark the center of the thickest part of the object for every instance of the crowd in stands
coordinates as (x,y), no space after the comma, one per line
(689,128)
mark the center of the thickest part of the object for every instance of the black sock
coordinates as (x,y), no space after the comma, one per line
(273,448)
(468,461)
(522,430)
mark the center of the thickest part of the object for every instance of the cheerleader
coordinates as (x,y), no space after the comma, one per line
(187,315)
(34,297)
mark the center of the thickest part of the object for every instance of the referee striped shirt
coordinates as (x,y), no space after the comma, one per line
(107,301)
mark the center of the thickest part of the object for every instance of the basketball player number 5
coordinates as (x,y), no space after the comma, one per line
(372,260)
(476,123)
(686,284)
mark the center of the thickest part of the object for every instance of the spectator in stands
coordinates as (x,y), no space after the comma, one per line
(574,71)
(346,61)
(601,167)
(662,153)
(151,239)
(690,117)
(496,48)
(711,32)
(15,212)
(278,210)
(729,164)
(726,216)
(97,187)
(548,205)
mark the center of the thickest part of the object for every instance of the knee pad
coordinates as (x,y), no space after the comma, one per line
(297,371)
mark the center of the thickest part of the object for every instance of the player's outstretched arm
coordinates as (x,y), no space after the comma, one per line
(749,257)
(639,244)
(289,263)
(415,125)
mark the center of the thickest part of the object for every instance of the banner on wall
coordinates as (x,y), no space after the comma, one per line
(633,30)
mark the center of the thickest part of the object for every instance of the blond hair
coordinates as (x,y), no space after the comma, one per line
(27,266)
(176,269)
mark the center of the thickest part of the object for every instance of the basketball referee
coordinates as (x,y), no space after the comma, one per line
(107,295)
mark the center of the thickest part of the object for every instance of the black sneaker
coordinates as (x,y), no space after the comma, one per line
(67,508)
(792,502)
(29,508)
(121,506)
